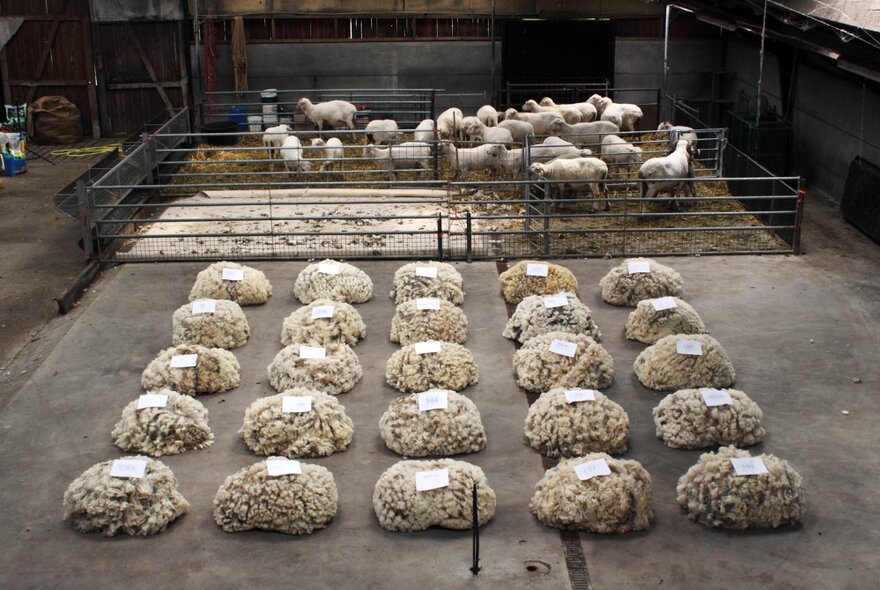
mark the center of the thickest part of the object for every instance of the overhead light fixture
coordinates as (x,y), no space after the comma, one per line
(826,52)
(727,26)
(858,70)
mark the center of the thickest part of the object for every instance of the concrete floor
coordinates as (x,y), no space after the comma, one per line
(799,330)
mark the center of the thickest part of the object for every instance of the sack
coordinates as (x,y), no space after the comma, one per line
(54,119)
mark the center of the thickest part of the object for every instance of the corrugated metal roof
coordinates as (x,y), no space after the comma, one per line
(854,13)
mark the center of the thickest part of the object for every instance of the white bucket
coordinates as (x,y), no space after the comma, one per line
(255,123)
(270,108)
(269,94)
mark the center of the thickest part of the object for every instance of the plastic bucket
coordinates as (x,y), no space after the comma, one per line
(13,165)
(239,115)
(255,123)
(269,95)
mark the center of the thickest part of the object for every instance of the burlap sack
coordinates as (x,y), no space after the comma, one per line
(54,119)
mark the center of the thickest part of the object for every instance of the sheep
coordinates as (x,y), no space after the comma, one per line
(410,282)
(555,147)
(541,122)
(452,367)
(618,152)
(569,115)
(532,318)
(320,431)
(519,130)
(588,111)
(517,282)
(474,130)
(647,324)
(401,508)
(448,123)
(99,502)
(558,428)
(622,114)
(575,173)
(217,282)
(662,367)
(216,370)
(667,173)
(442,432)
(294,504)
(425,131)
(676,132)
(487,115)
(616,503)
(401,156)
(620,286)
(509,161)
(332,149)
(180,425)
(583,133)
(334,113)
(335,373)
(464,160)
(224,327)
(539,367)
(329,279)
(381,130)
(342,324)
(410,324)
(273,137)
(684,420)
(292,154)
(714,495)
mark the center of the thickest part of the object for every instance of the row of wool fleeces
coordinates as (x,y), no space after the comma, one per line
(225,327)
(532,318)
(621,287)
(344,326)
(539,369)
(337,372)
(217,370)
(683,420)
(517,284)
(411,283)
(181,425)
(410,324)
(660,366)
(454,430)
(323,430)
(453,368)
(253,289)
(334,280)
(400,507)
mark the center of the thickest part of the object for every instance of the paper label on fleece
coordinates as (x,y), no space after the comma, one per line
(130,468)
(425,303)
(432,480)
(204,306)
(559,300)
(312,352)
(329,268)
(748,465)
(232,274)
(152,400)
(591,469)
(689,347)
(662,303)
(433,399)
(637,266)
(715,397)
(426,347)
(323,311)
(537,269)
(428,272)
(563,347)
(277,466)
(579,395)
(182,361)
(296,404)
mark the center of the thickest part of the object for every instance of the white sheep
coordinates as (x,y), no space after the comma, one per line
(618,152)
(622,114)
(332,151)
(425,130)
(667,173)
(381,130)
(519,130)
(448,123)
(463,160)
(677,132)
(292,154)
(488,115)
(589,173)
(570,115)
(335,113)
(555,147)
(588,111)
(273,137)
(542,122)
(474,130)
(583,133)
(509,161)
(402,156)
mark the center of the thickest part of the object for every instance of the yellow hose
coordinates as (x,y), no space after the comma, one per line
(89,152)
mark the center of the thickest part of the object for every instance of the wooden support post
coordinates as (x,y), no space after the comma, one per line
(149,66)
(94,113)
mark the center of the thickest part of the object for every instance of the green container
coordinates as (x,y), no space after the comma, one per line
(768,142)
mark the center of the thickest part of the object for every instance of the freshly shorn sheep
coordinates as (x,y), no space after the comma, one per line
(558,428)
(575,174)
(98,502)
(225,327)
(409,155)
(273,137)
(620,287)
(539,369)
(411,324)
(474,130)
(344,325)
(532,317)
(588,111)
(617,503)
(253,289)
(440,432)
(618,153)
(409,282)
(296,504)
(321,431)
(464,160)
(685,421)
(329,279)
(292,155)
(381,130)
(624,115)
(519,130)
(584,133)
(425,131)
(338,372)
(335,113)
(451,368)
(554,147)
(510,161)
(649,325)
(401,508)
(488,116)
(331,151)
(677,132)
(217,370)
(568,114)
(181,425)
(668,174)
(449,123)
(714,495)
(542,123)
(660,367)
(517,284)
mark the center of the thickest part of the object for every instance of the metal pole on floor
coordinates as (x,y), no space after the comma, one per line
(475,549)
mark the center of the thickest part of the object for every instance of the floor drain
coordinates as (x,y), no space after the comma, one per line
(537,567)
